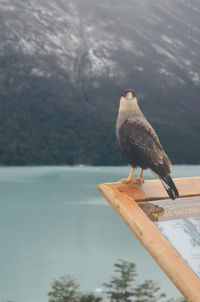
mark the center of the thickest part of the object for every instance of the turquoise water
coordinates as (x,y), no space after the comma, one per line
(53,221)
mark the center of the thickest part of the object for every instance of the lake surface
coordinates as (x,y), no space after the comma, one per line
(53,221)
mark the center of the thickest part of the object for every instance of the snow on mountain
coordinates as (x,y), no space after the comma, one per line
(84,53)
(95,35)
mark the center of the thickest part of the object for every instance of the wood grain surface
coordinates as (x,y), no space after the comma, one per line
(124,200)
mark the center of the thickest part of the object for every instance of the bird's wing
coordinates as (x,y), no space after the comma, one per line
(146,144)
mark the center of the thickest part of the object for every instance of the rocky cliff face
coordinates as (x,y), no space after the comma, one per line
(76,57)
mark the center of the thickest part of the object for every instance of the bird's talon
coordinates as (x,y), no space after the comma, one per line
(132,181)
(125,180)
(139,181)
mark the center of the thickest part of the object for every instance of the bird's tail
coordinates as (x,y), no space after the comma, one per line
(169,186)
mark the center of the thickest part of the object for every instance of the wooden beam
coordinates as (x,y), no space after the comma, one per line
(125,200)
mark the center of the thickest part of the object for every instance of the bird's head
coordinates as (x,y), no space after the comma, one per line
(128,100)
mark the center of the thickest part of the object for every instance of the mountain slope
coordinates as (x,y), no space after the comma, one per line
(64,65)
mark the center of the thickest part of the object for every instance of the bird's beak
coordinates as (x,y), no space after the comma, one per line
(125,100)
(129,96)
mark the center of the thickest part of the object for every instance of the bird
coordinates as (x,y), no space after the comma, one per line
(139,143)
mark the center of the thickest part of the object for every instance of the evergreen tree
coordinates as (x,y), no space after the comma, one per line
(64,290)
(148,291)
(120,289)
(177,300)
(89,297)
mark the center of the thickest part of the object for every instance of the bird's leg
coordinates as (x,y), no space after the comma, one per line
(139,179)
(132,180)
(129,179)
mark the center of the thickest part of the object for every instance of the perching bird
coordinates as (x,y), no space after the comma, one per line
(139,143)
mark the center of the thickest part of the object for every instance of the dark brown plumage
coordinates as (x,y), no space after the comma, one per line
(139,143)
